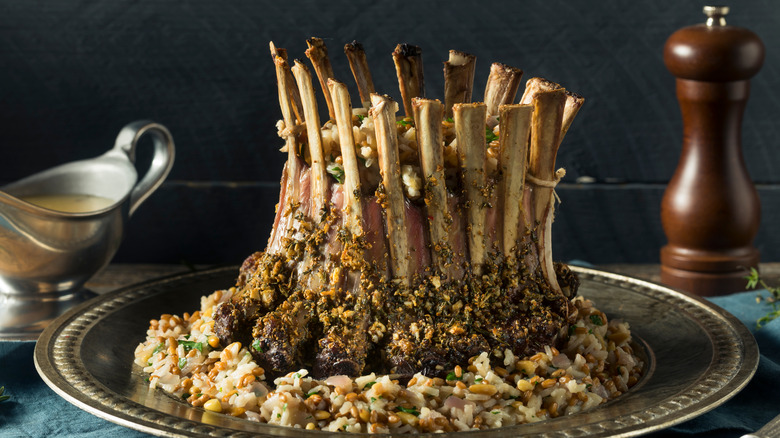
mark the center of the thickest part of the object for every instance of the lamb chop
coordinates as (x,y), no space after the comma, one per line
(407,244)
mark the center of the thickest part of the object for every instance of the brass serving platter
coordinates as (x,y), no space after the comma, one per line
(698,357)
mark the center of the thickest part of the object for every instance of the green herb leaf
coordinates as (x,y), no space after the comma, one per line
(158,348)
(182,362)
(404,123)
(451,376)
(449,119)
(189,345)
(571,329)
(489,135)
(596,320)
(256,345)
(337,173)
(369,385)
(412,411)
(360,118)
(478,379)
(2,396)
(373,399)
(297,376)
(312,392)
(753,278)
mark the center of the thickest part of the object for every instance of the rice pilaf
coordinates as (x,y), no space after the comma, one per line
(596,364)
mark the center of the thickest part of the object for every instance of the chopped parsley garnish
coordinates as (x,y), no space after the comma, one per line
(337,173)
(297,376)
(312,392)
(159,348)
(189,345)
(256,345)
(489,135)
(369,385)
(495,412)
(404,123)
(412,411)
(449,119)
(360,118)
(451,376)
(596,319)
(373,399)
(182,362)
(478,379)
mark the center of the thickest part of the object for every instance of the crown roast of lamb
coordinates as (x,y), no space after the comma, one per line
(407,243)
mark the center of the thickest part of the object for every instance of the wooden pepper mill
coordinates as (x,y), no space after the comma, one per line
(710,211)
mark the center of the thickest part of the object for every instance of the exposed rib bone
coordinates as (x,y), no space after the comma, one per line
(545,139)
(502,85)
(383,113)
(284,220)
(428,115)
(283,73)
(409,68)
(470,133)
(318,55)
(319,192)
(573,100)
(359,66)
(513,139)
(458,79)
(293,94)
(352,192)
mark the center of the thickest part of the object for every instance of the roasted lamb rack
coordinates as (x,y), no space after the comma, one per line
(407,244)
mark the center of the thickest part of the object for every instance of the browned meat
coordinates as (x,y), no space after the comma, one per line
(367,269)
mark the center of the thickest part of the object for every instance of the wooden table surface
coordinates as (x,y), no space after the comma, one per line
(119,275)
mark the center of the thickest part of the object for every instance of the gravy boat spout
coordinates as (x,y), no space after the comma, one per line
(61,226)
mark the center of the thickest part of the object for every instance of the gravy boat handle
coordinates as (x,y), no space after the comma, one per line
(162,160)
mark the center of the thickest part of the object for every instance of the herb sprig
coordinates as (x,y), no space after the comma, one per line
(755,280)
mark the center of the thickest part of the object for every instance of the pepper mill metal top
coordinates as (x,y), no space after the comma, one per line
(710,211)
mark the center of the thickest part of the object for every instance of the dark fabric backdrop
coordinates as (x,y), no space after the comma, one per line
(72,73)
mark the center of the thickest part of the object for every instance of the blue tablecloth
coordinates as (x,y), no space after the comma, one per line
(34,410)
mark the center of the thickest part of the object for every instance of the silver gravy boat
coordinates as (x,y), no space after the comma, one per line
(47,254)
